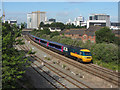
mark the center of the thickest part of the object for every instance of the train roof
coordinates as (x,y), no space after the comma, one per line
(73,47)
(44,40)
(68,46)
(49,41)
(56,43)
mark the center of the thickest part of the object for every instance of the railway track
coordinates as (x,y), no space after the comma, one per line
(110,78)
(110,72)
(45,73)
(74,81)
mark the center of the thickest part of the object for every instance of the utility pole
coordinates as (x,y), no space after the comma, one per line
(3,15)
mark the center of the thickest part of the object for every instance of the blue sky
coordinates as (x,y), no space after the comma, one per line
(61,11)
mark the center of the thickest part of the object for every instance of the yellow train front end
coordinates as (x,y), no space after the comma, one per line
(83,56)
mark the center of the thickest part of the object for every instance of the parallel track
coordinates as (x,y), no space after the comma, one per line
(46,74)
(110,72)
(77,65)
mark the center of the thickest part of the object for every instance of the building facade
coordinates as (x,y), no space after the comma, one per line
(98,19)
(52,20)
(79,21)
(115,26)
(11,21)
(82,34)
(29,20)
(35,18)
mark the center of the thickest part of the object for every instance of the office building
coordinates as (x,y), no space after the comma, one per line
(98,19)
(10,21)
(35,18)
(115,26)
(79,21)
(29,19)
(69,22)
(52,20)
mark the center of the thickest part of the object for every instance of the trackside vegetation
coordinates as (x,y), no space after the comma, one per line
(13,61)
(105,53)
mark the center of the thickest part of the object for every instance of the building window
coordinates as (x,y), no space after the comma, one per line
(90,18)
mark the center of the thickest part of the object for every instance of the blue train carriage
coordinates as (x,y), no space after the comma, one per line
(57,47)
(43,42)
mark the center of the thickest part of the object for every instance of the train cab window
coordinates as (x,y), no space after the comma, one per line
(87,53)
(81,53)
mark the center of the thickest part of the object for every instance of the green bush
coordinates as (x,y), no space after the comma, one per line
(105,52)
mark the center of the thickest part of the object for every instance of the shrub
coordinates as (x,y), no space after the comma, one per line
(105,52)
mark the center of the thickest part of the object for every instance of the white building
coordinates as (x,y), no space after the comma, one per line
(29,19)
(48,22)
(69,22)
(115,25)
(98,19)
(53,29)
(11,21)
(79,21)
(35,18)
(96,23)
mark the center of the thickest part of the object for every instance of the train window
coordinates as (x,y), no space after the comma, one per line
(54,45)
(43,41)
(66,49)
(37,39)
(81,53)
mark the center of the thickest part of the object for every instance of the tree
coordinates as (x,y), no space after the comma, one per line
(105,35)
(54,34)
(23,25)
(41,25)
(58,24)
(12,59)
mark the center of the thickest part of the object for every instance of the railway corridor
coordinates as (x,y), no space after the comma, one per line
(40,66)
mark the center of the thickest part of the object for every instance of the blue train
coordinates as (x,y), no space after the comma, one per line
(80,54)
